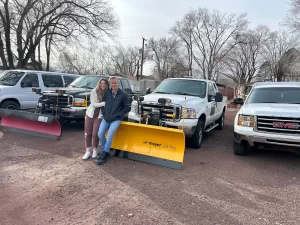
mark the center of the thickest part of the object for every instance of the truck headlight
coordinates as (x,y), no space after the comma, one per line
(79,102)
(134,107)
(188,113)
(246,121)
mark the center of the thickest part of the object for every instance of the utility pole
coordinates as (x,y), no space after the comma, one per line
(142,62)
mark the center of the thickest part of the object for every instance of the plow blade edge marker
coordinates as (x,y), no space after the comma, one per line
(150,144)
(45,126)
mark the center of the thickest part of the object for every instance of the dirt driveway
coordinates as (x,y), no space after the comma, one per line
(46,182)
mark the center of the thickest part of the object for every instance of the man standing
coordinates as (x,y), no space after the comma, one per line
(116,107)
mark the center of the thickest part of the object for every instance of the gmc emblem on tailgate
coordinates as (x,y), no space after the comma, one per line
(285,125)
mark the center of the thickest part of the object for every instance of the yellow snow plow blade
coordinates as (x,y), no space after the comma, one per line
(151,144)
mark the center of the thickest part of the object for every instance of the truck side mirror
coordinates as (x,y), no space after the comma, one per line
(219,97)
(238,101)
(138,98)
(148,91)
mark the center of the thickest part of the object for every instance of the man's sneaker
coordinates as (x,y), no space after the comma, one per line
(86,155)
(103,158)
(94,153)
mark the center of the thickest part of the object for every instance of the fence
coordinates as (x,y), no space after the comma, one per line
(226,91)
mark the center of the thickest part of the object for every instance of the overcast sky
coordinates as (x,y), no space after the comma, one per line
(147,18)
(155,17)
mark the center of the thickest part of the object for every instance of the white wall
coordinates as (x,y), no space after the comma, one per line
(135,85)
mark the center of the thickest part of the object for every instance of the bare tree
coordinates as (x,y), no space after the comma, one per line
(274,50)
(125,60)
(25,23)
(287,67)
(292,19)
(85,60)
(164,53)
(184,30)
(96,59)
(214,36)
(243,62)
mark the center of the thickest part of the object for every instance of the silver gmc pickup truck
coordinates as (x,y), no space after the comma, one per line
(269,118)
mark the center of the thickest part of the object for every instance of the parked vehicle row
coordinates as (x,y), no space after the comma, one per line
(16,86)
(269,117)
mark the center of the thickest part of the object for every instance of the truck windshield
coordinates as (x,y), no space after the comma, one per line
(182,87)
(86,82)
(11,78)
(285,95)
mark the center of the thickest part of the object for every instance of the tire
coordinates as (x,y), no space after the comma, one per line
(220,121)
(10,105)
(240,149)
(197,138)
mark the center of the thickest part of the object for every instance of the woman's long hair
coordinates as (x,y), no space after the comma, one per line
(99,91)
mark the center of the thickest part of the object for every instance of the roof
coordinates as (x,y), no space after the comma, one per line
(104,75)
(277,84)
(185,78)
(39,71)
(97,75)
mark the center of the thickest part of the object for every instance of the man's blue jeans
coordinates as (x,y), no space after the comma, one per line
(112,128)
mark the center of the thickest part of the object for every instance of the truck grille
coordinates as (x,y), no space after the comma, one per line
(284,125)
(63,100)
(167,110)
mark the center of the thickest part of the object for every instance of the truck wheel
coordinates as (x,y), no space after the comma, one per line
(10,105)
(240,149)
(197,138)
(220,121)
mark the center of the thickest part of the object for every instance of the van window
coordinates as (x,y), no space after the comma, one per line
(52,80)
(11,78)
(30,80)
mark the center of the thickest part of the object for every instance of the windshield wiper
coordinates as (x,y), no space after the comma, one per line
(162,92)
(183,93)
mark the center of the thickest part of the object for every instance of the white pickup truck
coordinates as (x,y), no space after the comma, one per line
(269,118)
(196,105)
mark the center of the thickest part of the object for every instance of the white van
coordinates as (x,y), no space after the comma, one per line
(16,86)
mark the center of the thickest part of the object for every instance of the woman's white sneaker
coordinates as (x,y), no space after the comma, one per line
(86,155)
(94,154)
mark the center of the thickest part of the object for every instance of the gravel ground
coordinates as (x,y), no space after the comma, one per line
(46,182)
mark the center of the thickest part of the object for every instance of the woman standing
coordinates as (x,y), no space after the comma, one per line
(93,118)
